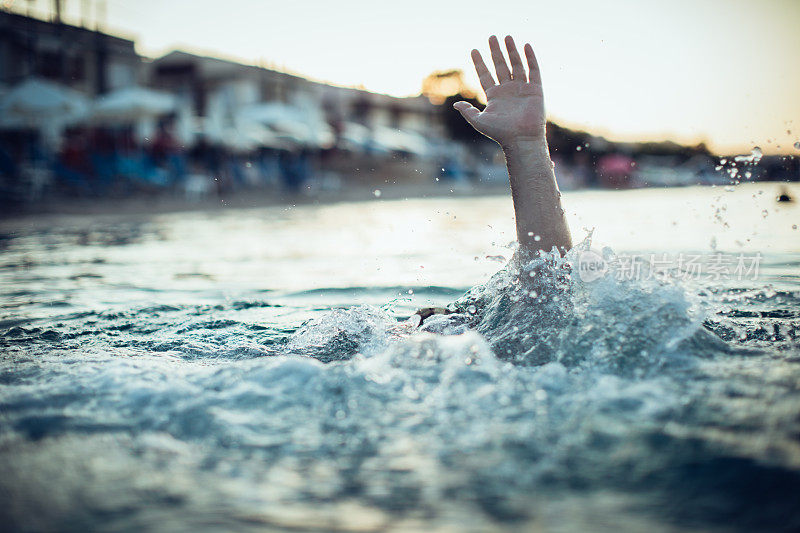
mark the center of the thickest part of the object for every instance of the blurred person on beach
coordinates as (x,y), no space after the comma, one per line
(167,153)
(72,166)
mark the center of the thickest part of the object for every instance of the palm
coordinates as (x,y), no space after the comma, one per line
(515,105)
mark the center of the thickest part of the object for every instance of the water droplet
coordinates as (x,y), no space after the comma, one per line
(764,213)
(472,309)
(377,193)
(537,238)
(797,145)
(410,291)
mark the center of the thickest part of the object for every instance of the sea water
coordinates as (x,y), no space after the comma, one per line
(263,369)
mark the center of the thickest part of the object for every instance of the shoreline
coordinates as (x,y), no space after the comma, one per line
(170,203)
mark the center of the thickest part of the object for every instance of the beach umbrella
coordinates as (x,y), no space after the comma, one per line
(356,136)
(395,139)
(248,136)
(303,126)
(38,104)
(384,139)
(131,104)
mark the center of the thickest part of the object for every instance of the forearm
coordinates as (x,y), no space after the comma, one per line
(540,219)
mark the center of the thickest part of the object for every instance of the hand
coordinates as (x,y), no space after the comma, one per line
(515,105)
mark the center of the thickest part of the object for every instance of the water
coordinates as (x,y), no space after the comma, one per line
(261,370)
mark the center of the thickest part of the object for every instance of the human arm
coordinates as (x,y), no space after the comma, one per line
(514,117)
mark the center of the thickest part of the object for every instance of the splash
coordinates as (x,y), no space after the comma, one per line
(538,310)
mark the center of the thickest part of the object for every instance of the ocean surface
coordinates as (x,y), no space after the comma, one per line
(263,369)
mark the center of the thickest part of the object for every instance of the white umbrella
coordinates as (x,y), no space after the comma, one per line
(249,136)
(131,104)
(300,125)
(401,140)
(39,104)
(356,136)
(383,139)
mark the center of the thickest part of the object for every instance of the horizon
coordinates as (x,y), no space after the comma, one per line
(744,74)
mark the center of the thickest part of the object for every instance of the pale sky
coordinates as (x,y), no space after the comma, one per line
(724,71)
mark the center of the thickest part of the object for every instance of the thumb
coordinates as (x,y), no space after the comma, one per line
(468,111)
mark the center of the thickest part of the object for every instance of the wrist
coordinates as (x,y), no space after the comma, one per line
(526,145)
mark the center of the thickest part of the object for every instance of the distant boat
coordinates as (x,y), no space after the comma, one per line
(784,196)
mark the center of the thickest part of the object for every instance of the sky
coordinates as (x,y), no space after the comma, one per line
(726,72)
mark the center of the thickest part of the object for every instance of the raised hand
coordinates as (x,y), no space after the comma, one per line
(515,104)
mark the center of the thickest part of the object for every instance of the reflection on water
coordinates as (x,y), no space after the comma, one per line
(256,369)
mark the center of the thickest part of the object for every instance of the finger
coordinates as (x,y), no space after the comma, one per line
(500,66)
(534,75)
(468,111)
(517,68)
(487,82)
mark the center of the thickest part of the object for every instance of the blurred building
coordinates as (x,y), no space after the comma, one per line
(83,59)
(212,89)
(210,82)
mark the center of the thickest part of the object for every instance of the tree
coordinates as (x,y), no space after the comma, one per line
(444,88)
